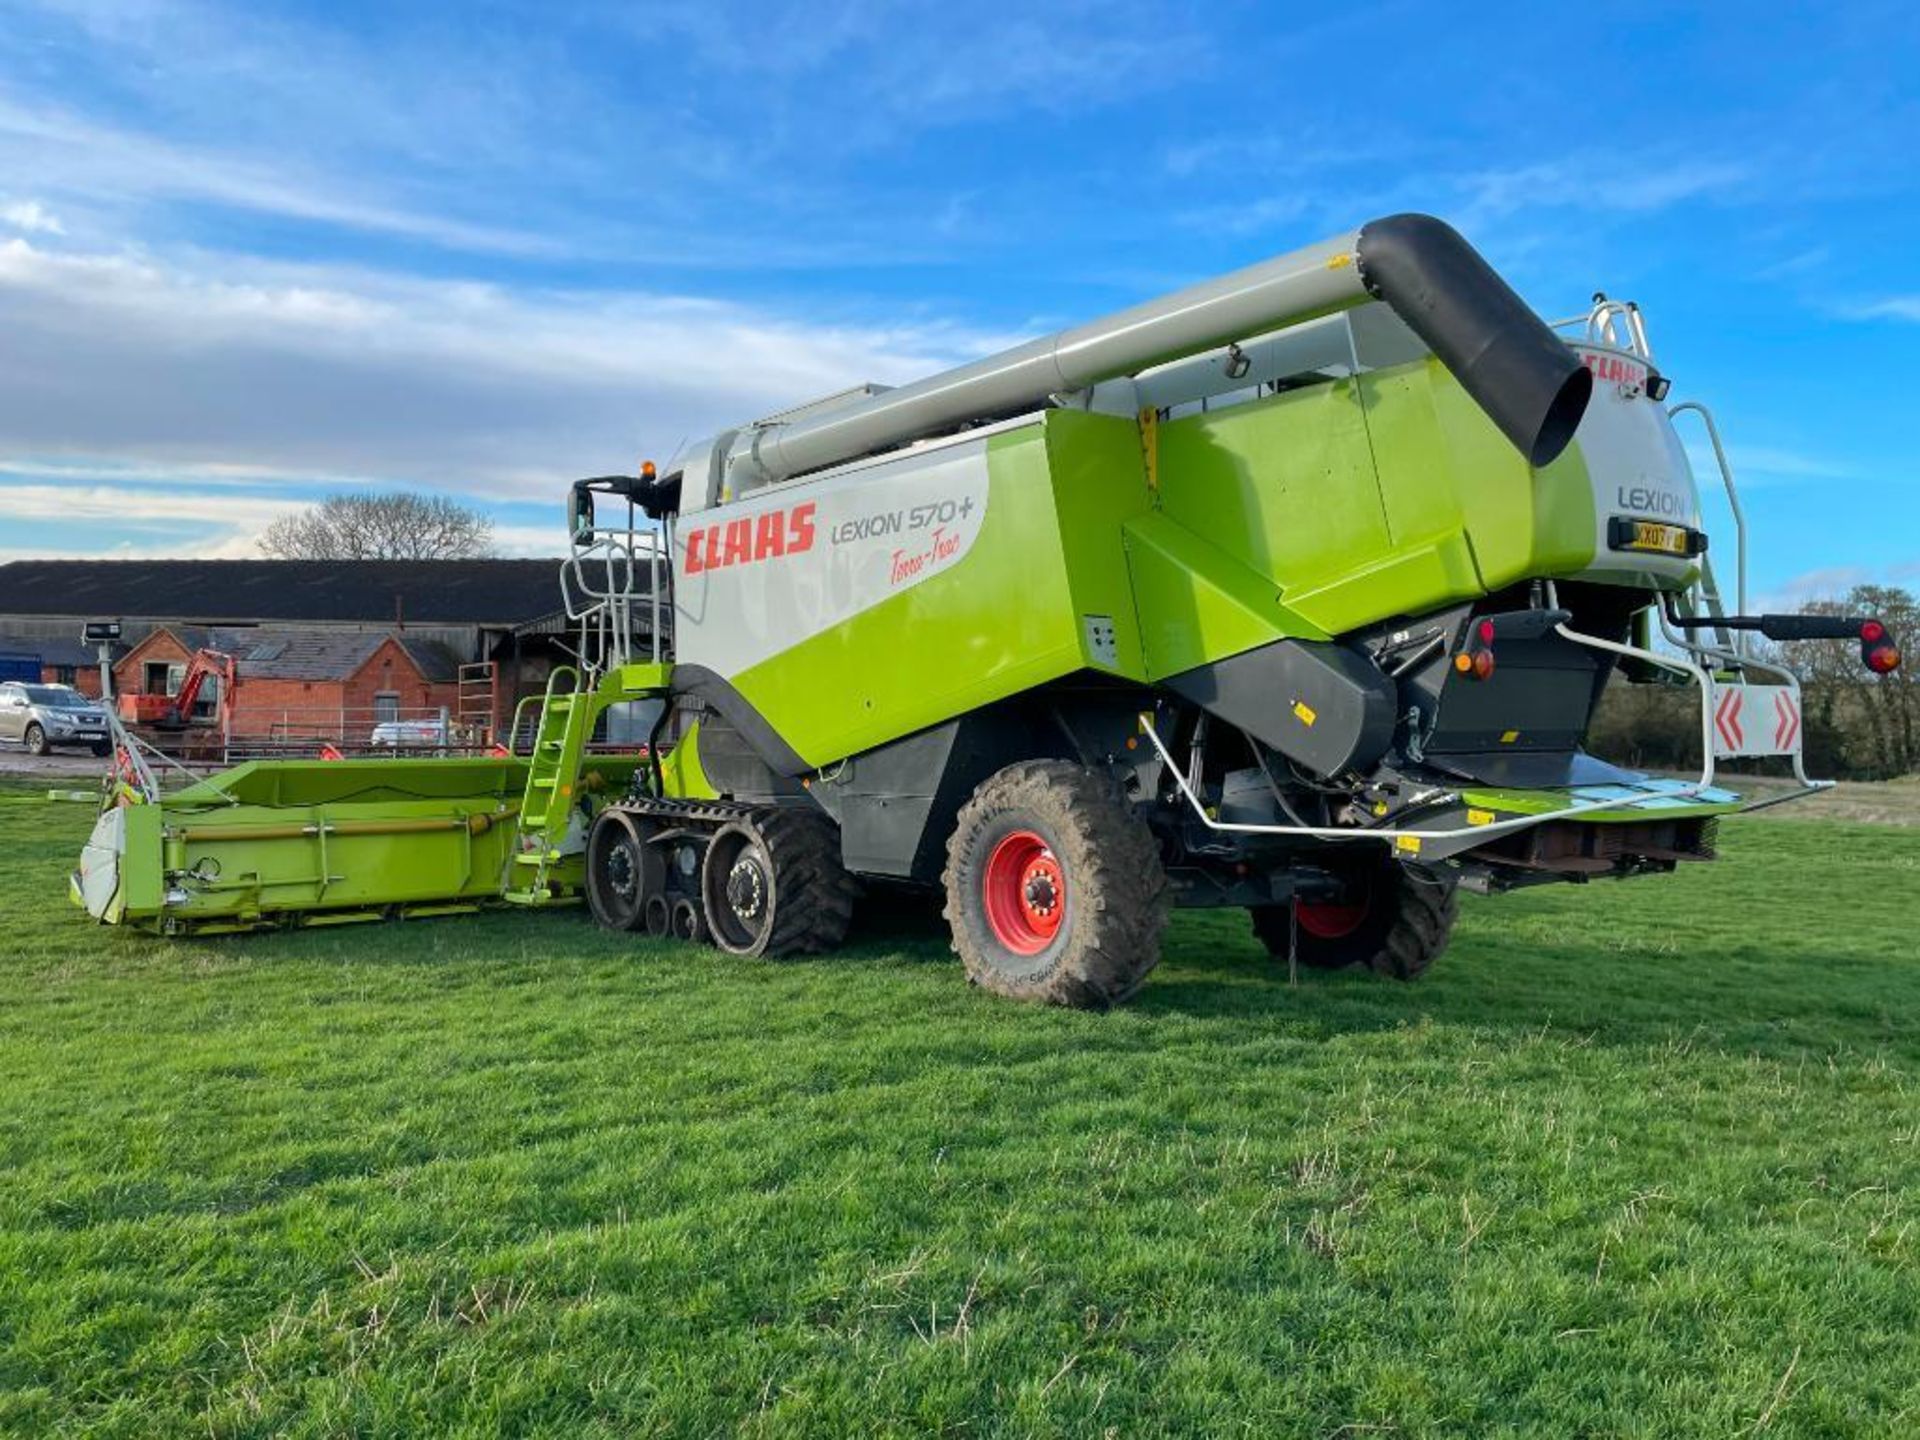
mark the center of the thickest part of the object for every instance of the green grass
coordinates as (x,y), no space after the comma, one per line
(1636,1160)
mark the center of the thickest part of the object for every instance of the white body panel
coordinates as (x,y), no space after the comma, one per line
(1638,466)
(761,575)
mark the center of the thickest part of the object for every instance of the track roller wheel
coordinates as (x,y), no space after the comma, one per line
(1055,890)
(623,871)
(773,885)
(1389,917)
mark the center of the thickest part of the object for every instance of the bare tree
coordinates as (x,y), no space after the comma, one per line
(1875,717)
(399,525)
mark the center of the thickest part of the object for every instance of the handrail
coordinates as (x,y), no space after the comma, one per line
(1733,501)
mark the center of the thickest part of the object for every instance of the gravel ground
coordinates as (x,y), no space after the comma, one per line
(60,765)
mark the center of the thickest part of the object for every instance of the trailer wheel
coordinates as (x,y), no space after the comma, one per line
(1055,890)
(773,885)
(1393,919)
(623,871)
(36,739)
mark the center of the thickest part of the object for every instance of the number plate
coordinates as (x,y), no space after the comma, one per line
(1665,539)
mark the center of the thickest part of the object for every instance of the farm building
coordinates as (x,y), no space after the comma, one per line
(503,620)
(297,684)
(50,660)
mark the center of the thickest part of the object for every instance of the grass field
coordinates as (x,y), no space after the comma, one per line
(1639,1160)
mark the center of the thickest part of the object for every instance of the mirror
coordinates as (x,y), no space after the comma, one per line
(580,514)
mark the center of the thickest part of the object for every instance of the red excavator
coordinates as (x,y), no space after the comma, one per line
(175,712)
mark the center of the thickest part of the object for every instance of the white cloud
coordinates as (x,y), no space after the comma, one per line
(1828,583)
(1596,182)
(1755,465)
(1894,307)
(75,156)
(234,378)
(32,217)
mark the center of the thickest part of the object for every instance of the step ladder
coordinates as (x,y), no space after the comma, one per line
(550,826)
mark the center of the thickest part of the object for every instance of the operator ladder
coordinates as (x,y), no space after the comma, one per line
(547,810)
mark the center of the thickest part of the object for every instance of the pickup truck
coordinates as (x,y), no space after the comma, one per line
(43,716)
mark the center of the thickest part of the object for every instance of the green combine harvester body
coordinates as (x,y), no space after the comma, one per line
(1295,592)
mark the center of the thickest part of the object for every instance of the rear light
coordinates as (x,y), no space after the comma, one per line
(1476,661)
(1877,650)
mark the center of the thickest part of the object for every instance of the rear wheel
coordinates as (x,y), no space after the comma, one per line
(101,747)
(1055,890)
(36,739)
(1388,917)
(773,885)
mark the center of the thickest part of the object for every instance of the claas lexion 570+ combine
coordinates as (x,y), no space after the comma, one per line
(1294,591)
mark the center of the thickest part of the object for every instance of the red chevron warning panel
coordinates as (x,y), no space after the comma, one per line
(1786,729)
(1753,720)
(1726,718)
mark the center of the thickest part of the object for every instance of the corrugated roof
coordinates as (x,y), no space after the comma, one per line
(421,592)
(53,650)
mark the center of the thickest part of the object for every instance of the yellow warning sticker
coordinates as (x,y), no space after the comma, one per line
(1509,737)
(1479,817)
(1408,843)
(1305,712)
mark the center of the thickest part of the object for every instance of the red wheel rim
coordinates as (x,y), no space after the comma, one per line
(1330,922)
(1025,892)
(1337,919)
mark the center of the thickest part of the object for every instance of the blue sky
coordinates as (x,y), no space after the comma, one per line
(250,253)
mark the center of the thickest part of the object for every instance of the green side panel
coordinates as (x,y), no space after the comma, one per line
(1099,485)
(1284,485)
(1448,476)
(1321,510)
(680,770)
(636,681)
(1199,603)
(1002,620)
(141,887)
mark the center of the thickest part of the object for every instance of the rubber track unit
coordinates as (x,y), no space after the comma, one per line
(1400,942)
(1118,895)
(813,894)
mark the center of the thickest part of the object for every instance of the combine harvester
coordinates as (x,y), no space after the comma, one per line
(1294,591)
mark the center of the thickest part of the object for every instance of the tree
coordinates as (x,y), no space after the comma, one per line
(1877,717)
(399,525)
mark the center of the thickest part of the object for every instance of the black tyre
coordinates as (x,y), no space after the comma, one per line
(773,885)
(623,871)
(36,739)
(1055,890)
(101,747)
(1391,918)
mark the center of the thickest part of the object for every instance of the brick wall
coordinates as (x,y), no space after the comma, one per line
(84,678)
(129,671)
(320,708)
(339,709)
